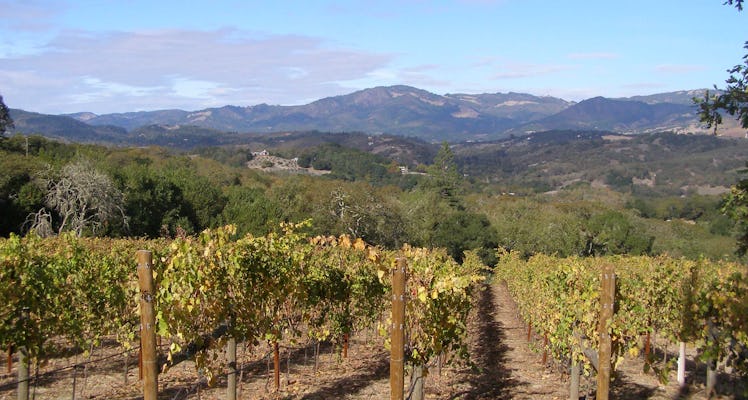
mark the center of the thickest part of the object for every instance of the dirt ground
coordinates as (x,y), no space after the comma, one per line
(504,367)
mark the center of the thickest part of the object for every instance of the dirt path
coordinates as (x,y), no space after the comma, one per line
(504,366)
(515,371)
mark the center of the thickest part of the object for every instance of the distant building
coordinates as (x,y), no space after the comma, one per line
(260,153)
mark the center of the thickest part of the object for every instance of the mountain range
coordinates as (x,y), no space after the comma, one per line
(397,110)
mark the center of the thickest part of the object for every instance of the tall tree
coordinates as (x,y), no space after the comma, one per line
(734,101)
(444,173)
(6,122)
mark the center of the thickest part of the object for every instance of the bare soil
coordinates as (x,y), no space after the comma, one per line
(503,366)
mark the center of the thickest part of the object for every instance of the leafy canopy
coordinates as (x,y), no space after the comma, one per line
(6,122)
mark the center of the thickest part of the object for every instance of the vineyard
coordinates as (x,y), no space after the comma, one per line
(288,293)
(681,301)
(216,289)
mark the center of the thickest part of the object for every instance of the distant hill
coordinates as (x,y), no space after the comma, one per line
(621,116)
(518,107)
(646,164)
(400,110)
(684,97)
(133,120)
(66,128)
(396,110)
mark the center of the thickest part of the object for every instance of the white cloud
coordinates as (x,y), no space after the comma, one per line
(183,68)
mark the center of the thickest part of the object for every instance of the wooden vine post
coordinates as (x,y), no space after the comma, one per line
(397,332)
(576,370)
(147,324)
(607,304)
(231,361)
(276,365)
(23,362)
(345,345)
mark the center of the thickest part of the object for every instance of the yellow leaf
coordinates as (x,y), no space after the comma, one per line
(422,294)
(380,274)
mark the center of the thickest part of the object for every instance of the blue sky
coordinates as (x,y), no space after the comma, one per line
(129,55)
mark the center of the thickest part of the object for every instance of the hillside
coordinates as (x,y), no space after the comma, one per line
(65,128)
(621,116)
(662,164)
(517,107)
(394,110)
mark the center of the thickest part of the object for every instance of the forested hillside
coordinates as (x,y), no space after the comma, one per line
(564,193)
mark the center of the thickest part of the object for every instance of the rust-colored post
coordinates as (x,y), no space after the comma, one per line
(545,349)
(345,345)
(607,304)
(147,324)
(397,332)
(276,365)
(529,331)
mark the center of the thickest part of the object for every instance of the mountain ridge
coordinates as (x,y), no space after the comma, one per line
(410,112)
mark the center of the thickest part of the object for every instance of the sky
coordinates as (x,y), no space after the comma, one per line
(106,56)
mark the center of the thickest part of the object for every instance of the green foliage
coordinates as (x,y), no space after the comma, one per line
(203,196)
(231,156)
(250,210)
(462,231)
(443,173)
(612,232)
(347,163)
(574,224)
(153,203)
(41,277)
(18,195)
(619,180)
(529,228)
(736,207)
(6,122)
